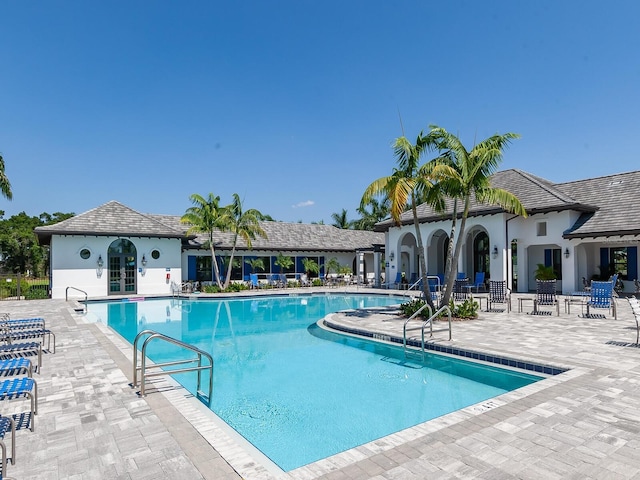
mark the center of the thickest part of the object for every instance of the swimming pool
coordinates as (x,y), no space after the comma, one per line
(297,392)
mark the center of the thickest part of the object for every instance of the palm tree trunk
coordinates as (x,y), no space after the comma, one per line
(448,286)
(227,280)
(216,270)
(426,291)
(458,247)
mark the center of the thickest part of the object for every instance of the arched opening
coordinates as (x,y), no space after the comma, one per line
(122,262)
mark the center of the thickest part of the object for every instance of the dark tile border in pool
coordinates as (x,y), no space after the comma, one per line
(456,351)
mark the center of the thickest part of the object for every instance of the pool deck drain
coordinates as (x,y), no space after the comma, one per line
(583,423)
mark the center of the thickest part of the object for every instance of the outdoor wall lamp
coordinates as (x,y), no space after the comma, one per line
(144,260)
(566,253)
(100,262)
(391,256)
(495,251)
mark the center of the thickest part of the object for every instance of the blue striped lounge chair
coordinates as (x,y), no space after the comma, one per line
(7,425)
(23,387)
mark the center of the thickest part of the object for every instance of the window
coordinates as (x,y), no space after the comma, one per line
(155,254)
(481,253)
(203,269)
(85,253)
(541,229)
(620,260)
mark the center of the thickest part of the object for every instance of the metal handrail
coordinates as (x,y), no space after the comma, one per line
(152,335)
(86,296)
(405,329)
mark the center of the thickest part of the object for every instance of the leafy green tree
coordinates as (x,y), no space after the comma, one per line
(340,220)
(403,187)
(205,217)
(241,224)
(331,265)
(464,175)
(5,186)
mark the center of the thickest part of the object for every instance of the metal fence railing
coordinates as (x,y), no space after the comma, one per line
(17,287)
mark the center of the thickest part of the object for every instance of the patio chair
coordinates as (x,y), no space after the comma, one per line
(478,282)
(11,367)
(26,349)
(7,425)
(397,282)
(545,296)
(253,280)
(498,293)
(27,332)
(24,387)
(460,289)
(304,280)
(601,297)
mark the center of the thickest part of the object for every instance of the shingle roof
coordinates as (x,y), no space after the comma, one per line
(618,199)
(115,219)
(609,205)
(110,219)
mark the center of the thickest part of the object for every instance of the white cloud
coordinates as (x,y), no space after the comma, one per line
(307,203)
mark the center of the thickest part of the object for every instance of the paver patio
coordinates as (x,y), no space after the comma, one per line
(584,423)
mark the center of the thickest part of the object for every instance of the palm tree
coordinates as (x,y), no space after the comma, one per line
(379,210)
(205,217)
(404,187)
(310,266)
(255,263)
(241,224)
(5,186)
(340,220)
(464,175)
(283,261)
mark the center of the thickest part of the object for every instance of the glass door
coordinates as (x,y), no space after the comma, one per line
(122,267)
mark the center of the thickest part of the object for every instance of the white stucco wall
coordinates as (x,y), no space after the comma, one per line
(68,269)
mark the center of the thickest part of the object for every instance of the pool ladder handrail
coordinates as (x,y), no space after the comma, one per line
(86,296)
(143,369)
(427,322)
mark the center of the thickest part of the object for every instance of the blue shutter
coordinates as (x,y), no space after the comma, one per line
(632,263)
(604,262)
(191,267)
(547,257)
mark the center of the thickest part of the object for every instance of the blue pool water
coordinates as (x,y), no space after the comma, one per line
(297,392)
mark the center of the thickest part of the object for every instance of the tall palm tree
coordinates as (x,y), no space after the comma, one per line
(464,175)
(403,187)
(340,220)
(373,212)
(5,186)
(243,224)
(205,217)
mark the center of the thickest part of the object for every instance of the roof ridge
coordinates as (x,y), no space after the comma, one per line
(550,187)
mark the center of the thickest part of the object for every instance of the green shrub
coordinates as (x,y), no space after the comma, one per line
(409,308)
(467,309)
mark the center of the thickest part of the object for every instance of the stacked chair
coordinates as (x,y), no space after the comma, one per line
(22,343)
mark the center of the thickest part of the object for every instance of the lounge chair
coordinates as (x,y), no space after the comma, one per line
(601,297)
(304,280)
(24,387)
(25,349)
(11,367)
(7,425)
(27,332)
(498,293)
(545,296)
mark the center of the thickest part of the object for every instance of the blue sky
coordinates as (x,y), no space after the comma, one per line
(294,105)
